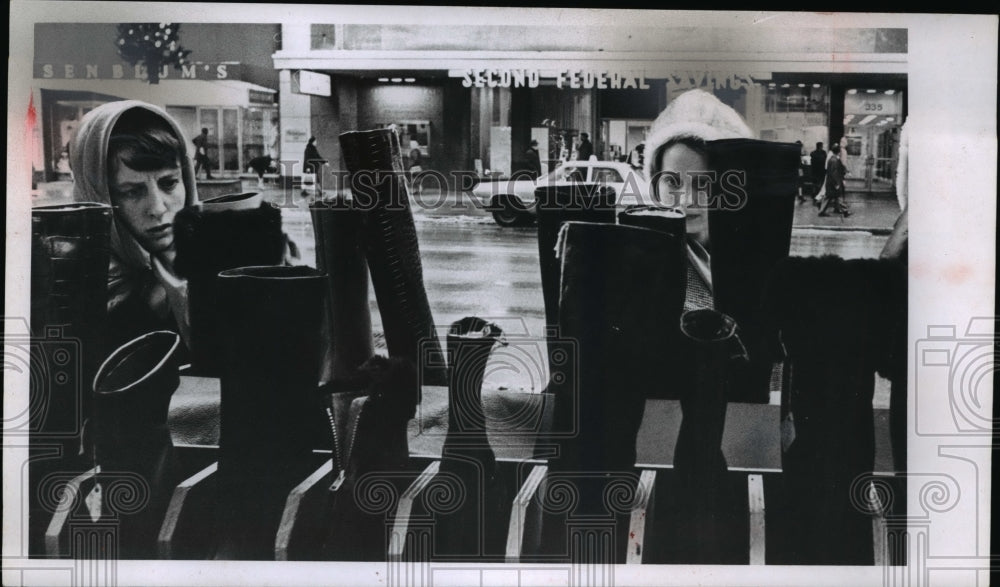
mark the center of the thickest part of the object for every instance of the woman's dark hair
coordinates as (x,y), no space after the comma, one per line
(143,141)
(835,147)
(693,143)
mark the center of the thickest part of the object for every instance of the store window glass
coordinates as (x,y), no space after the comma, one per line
(797,98)
(260,133)
(230,139)
(323,36)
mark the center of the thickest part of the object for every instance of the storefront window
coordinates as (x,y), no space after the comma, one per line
(797,98)
(260,133)
(414,136)
(230,140)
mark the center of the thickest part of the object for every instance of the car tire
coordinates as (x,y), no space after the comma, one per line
(508,211)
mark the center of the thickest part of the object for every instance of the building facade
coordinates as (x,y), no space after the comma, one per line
(472,98)
(229,88)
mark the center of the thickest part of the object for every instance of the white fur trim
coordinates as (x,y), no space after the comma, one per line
(694,114)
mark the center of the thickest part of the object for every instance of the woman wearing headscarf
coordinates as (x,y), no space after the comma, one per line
(133,156)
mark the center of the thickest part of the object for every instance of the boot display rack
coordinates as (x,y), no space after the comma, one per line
(400,509)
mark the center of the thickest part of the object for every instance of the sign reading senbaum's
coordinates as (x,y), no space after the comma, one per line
(124,71)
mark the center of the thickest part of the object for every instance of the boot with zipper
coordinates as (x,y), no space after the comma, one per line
(372,437)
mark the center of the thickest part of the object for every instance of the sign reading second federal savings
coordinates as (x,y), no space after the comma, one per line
(531,78)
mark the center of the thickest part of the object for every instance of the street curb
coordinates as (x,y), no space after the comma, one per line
(875,230)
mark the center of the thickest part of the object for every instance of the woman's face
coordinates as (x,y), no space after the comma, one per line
(146,203)
(683,160)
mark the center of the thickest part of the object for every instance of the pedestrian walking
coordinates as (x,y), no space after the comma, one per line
(201,154)
(586,148)
(817,164)
(835,172)
(312,162)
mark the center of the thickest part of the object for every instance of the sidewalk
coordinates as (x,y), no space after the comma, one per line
(872,213)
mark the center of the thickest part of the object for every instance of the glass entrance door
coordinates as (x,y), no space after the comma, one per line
(223,124)
(886,155)
(231,152)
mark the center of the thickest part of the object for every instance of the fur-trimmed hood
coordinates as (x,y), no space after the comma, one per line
(694,114)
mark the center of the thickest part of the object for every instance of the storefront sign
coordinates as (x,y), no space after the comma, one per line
(293,135)
(197,71)
(709,80)
(315,84)
(878,103)
(530,78)
(260,97)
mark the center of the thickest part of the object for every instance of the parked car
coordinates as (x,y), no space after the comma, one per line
(512,200)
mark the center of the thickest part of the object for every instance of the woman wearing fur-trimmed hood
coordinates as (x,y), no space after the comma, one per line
(677,143)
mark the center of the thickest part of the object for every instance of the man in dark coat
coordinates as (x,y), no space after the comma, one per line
(586,148)
(201,154)
(817,163)
(534,162)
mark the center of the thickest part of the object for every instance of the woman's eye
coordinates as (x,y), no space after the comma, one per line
(130,193)
(169,184)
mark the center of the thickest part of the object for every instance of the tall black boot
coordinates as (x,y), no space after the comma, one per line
(750,228)
(709,523)
(670,220)
(621,296)
(472,531)
(70,254)
(272,415)
(378,183)
(557,205)
(835,340)
(376,456)
(132,394)
(340,253)
(226,232)
(622,288)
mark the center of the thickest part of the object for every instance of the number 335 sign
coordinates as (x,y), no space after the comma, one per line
(877,103)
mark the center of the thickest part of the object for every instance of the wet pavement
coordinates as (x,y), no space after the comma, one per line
(472,267)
